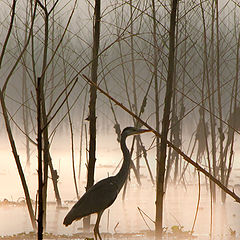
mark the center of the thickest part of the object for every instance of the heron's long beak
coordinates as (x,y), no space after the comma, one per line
(140,131)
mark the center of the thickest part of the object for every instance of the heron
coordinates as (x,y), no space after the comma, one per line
(102,195)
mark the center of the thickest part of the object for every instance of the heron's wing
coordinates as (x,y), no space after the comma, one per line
(97,198)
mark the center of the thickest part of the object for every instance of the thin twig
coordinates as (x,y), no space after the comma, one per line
(9,31)
(143,213)
(198,202)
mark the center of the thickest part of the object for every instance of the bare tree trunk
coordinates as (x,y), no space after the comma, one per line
(46,152)
(210,102)
(40,177)
(135,103)
(13,10)
(175,129)
(44,119)
(81,136)
(212,107)
(71,128)
(165,124)
(219,93)
(92,104)
(55,177)
(72,147)
(232,120)
(17,160)
(54,173)
(25,95)
(156,86)
(5,111)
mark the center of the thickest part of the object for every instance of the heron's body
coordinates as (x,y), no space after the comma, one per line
(99,197)
(102,195)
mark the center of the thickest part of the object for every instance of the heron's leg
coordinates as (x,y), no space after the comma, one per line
(96,227)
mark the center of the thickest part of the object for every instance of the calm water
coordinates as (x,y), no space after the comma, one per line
(122,216)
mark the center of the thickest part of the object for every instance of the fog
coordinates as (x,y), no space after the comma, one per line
(123,216)
(53,43)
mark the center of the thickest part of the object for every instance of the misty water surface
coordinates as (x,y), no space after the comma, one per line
(179,209)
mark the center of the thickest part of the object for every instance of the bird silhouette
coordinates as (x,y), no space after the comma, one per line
(102,195)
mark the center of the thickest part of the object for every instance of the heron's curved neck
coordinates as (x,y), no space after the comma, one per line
(123,172)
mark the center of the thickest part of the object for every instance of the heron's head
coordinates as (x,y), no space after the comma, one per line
(128,131)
